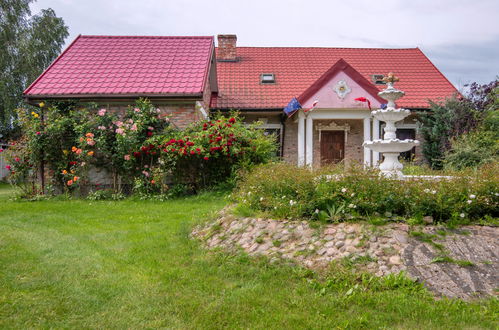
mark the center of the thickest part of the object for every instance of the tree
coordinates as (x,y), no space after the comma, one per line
(29,43)
(480,146)
(449,119)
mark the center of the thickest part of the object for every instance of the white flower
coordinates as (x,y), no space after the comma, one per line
(426,190)
(353,194)
(275,207)
(497,194)
(472,196)
(316,211)
(261,199)
(343,190)
(292,202)
(469,201)
(352,206)
(462,215)
(249,193)
(433,192)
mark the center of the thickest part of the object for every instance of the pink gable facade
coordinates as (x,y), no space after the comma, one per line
(328,99)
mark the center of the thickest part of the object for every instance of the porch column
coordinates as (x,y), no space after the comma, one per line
(375,137)
(301,138)
(367,137)
(310,141)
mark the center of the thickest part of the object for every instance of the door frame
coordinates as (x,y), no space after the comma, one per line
(342,151)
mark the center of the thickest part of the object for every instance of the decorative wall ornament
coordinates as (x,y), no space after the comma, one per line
(333,126)
(342,89)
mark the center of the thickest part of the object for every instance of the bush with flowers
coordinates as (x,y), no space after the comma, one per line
(285,191)
(137,148)
(211,152)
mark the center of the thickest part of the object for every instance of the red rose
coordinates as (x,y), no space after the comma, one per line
(232,120)
(206,158)
(192,152)
(143,148)
(149,133)
(8,167)
(189,143)
(136,154)
(219,138)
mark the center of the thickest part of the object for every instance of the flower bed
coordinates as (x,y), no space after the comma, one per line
(137,147)
(285,191)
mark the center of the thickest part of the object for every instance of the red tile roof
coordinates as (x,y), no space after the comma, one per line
(296,69)
(127,66)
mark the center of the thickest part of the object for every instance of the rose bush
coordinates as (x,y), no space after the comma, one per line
(137,147)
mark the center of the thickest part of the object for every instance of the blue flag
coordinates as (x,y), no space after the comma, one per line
(292,107)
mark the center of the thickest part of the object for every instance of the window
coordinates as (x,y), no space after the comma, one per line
(378,79)
(267,78)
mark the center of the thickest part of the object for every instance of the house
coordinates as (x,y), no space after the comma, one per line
(189,77)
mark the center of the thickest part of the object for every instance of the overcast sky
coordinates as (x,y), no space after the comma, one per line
(461,37)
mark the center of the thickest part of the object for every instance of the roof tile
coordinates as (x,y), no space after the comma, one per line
(298,68)
(108,65)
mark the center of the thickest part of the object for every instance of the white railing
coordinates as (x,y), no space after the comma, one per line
(3,163)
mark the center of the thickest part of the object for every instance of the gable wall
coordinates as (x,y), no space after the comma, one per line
(328,99)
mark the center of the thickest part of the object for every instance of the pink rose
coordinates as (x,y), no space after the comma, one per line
(120,131)
(8,167)
(150,128)
(102,128)
(158,110)
(136,110)
(134,127)
(102,112)
(91,142)
(38,133)
(1,150)
(126,157)
(119,123)
(145,173)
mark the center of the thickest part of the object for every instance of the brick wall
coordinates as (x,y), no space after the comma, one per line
(182,114)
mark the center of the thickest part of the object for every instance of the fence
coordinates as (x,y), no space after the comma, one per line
(3,163)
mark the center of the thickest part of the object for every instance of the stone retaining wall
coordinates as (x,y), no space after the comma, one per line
(380,250)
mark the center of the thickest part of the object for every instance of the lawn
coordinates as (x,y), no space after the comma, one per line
(131,264)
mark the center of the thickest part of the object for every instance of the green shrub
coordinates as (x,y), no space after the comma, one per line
(478,147)
(285,191)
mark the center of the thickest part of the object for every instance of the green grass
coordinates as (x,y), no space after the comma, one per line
(131,264)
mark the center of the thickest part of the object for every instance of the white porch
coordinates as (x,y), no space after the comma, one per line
(305,143)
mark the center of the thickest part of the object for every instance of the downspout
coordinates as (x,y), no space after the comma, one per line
(283,124)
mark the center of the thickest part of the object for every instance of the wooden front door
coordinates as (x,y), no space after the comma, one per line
(332,146)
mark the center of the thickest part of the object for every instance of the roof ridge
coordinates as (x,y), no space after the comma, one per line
(318,47)
(93,36)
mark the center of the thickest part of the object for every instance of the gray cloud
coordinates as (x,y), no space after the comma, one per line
(459,36)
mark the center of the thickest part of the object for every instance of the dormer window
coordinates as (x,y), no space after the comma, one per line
(378,79)
(267,78)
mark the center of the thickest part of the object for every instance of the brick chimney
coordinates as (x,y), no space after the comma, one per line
(227,50)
